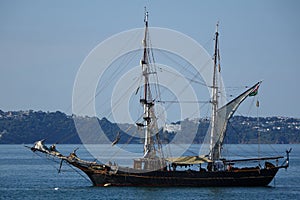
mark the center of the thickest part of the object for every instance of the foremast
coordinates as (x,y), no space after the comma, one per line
(146,100)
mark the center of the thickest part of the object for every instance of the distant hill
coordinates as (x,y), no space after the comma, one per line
(26,127)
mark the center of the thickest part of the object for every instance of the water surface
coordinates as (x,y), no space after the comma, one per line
(25,175)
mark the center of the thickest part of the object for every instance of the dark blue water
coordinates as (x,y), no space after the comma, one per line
(24,175)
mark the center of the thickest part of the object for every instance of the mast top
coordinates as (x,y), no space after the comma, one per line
(146,16)
(217,27)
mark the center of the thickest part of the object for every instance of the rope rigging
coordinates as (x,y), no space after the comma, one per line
(190,75)
(53,159)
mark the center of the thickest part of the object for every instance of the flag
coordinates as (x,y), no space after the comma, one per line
(254,91)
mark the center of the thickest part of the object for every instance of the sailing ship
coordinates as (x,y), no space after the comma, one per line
(154,169)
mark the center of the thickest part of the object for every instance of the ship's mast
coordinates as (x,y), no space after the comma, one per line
(146,101)
(215,155)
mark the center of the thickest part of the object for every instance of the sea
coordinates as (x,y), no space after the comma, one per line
(26,175)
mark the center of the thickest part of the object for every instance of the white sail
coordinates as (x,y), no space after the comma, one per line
(223,115)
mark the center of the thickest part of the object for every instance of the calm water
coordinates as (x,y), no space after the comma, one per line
(24,175)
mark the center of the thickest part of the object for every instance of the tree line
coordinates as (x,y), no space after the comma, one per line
(26,127)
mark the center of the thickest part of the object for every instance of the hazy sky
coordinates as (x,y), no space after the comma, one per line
(43,43)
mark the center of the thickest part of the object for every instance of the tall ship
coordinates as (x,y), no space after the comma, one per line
(154,168)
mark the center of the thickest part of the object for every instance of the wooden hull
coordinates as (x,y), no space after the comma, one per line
(129,177)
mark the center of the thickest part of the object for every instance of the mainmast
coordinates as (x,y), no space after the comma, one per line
(214,155)
(146,101)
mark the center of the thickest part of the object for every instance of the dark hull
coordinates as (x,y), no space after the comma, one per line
(112,175)
(126,177)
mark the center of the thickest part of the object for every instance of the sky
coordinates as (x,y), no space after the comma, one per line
(43,44)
